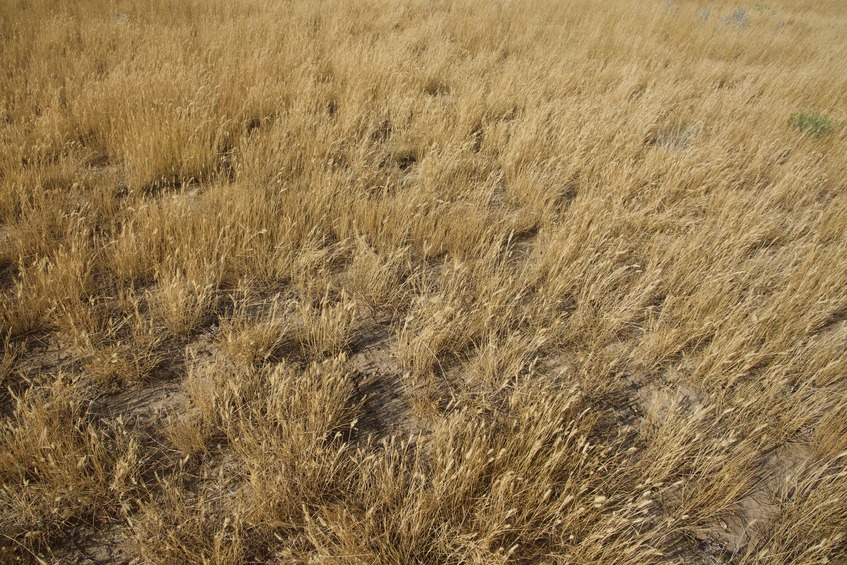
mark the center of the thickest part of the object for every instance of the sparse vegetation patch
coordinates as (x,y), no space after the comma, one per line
(812,123)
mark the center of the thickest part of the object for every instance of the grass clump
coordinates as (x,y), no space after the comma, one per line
(59,467)
(812,123)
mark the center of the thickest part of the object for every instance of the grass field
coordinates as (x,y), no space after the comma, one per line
(423,281)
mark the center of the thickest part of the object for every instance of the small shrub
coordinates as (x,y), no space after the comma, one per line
(812,123)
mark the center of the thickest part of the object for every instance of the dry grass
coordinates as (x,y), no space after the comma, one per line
(59,469)
(423,282)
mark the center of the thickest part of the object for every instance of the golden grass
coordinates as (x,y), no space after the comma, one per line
(423,282)
(59,468)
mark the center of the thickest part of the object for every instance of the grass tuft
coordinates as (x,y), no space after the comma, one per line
(813,124)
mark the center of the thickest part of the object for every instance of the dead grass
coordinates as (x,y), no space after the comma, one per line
(423,282)
(60,469)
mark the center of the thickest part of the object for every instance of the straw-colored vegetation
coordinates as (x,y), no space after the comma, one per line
(423,281)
